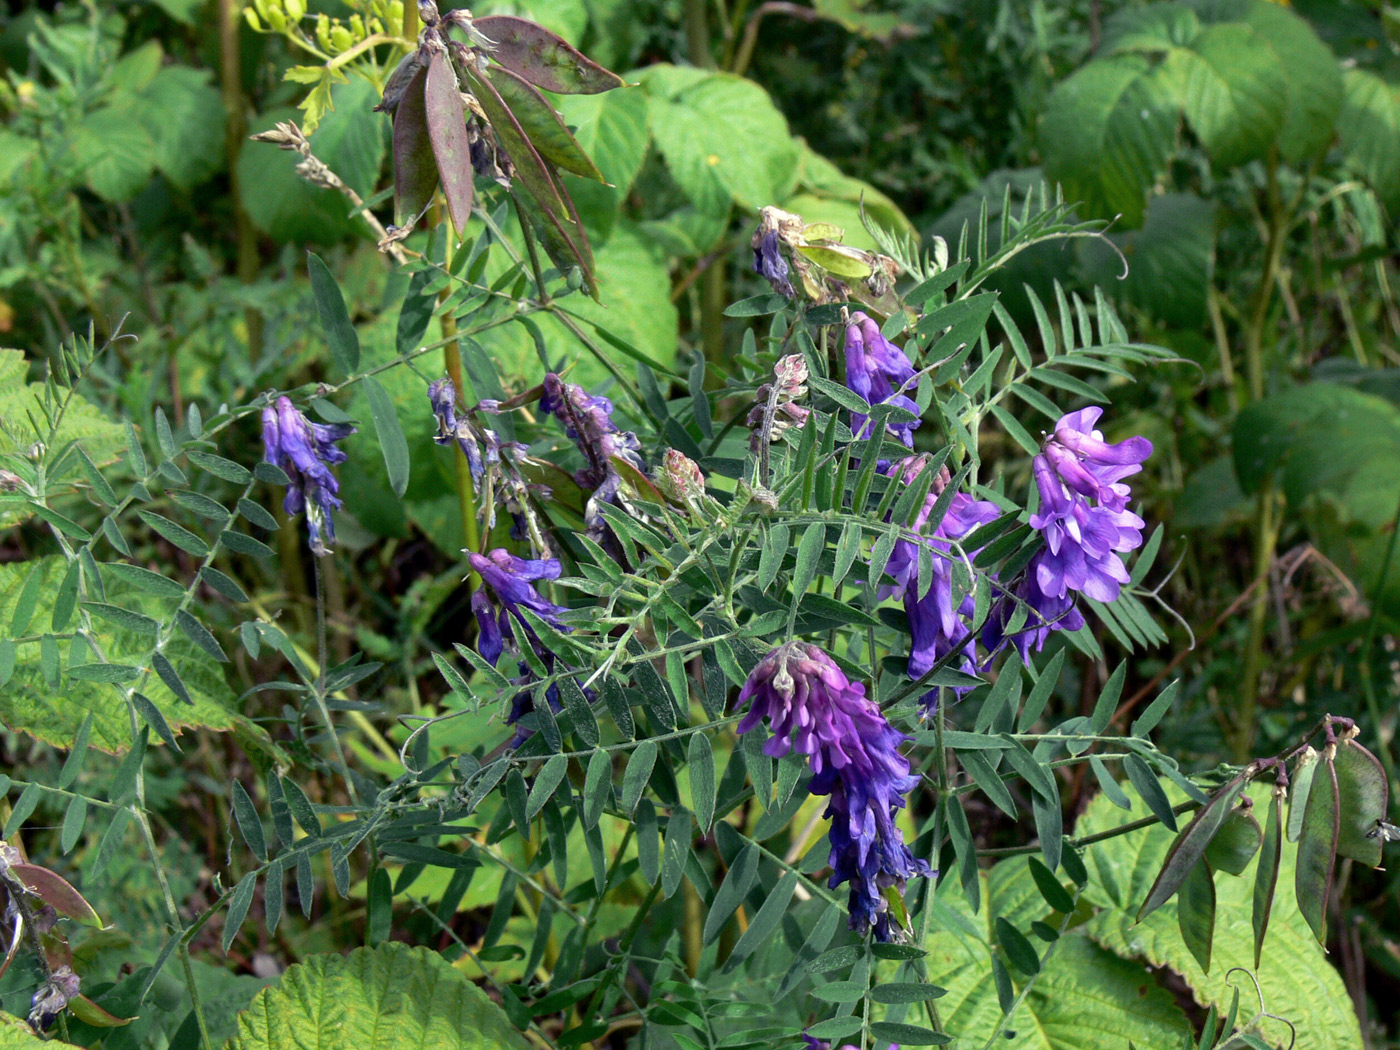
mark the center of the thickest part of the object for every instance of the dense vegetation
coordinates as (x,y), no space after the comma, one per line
(639,524)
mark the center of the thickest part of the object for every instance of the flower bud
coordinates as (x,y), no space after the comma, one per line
(680,478)
(341,40)
(251,17)
(296,9)
(323,32)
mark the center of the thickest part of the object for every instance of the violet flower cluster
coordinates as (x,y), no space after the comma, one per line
(1083,519)
(306,451)
(814,709)
(508,589)
(587,420)
(937,625)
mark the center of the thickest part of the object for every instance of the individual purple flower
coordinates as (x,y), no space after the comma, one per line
(814,709)
(768,262)
(587,421)
(937,627)
(306,451)
(1083,513)
(879,372)
(510,588)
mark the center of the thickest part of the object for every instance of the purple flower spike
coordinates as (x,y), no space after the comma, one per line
(1083,511)
(814,709)
(306,451)
(878,371)
(937,626)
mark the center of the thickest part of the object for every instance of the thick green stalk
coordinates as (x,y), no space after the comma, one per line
(452,359)
(1265,525)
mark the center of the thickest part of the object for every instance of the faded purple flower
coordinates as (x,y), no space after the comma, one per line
(879,372)
(53,996)
(937,626)
(768,262)
(442,395)
(306,451)
(1083,538)
(814,709)
(509,589)
(587,420)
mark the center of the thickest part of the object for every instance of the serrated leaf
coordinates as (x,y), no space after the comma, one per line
(390,997)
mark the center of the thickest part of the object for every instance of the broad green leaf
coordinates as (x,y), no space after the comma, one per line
(1233,90)
(113,151)
(350,140)
(19,404)
(390,997)
(1107,133)
(612,129)
(28,705)
(183,112)
(721,137)
(1369,127)
(1314,75)
(1084,999)
(1295,979)
(1171,259)
(1332,446)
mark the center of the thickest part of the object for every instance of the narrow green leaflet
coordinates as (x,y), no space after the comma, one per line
(341,339)
(392,442)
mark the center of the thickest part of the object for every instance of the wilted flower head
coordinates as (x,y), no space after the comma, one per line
(509,589)
(1082,537)
(306,451)
(814,709)
(587,420)
(937,625)
(53,996)
(879,372)
(768,262)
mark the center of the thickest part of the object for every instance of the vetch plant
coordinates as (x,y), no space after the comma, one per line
(691,747)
